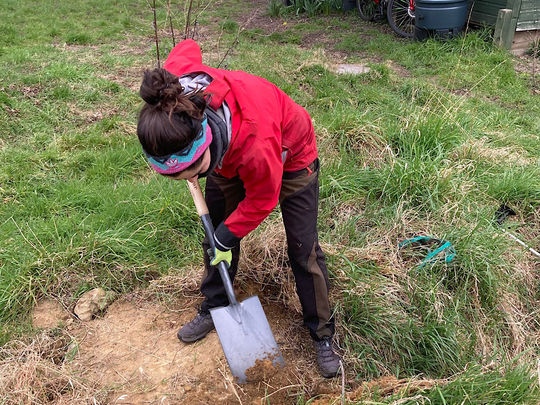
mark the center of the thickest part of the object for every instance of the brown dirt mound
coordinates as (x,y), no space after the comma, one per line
(132,353)
(49,313)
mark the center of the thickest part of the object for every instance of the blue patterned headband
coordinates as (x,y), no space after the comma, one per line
(181,160)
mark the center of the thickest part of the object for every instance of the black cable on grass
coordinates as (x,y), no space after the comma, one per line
(503,212)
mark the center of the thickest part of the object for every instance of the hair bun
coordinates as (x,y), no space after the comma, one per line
(159,85)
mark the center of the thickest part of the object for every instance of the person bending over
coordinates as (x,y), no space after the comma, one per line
(256,147)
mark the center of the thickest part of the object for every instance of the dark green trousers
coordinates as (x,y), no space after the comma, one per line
(299,202)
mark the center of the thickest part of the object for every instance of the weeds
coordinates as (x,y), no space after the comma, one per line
(278,8)
(533,49)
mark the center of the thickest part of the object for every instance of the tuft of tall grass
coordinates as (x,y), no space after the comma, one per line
(277,8)
(512,185)
(514,384)
(393,337)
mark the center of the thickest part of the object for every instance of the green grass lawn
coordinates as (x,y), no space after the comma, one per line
(431,142)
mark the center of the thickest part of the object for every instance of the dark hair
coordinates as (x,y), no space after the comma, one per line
(170,119)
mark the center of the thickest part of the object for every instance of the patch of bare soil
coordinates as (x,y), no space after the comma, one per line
(529,66)
(133,355)
(49,314)
(129,78)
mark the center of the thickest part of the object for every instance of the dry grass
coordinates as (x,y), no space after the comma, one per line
(480,149)
(264,262)
(390,385)
(37,372)
(264,271)
(406,389)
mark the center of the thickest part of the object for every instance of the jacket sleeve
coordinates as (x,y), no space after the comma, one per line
(184,55)
(261,171)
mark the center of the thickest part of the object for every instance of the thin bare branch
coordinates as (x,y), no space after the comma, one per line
(235,41)
(188,18)
(156,33)
(170,22)
(227,52)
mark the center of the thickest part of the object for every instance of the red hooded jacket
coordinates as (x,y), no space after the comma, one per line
(265,122)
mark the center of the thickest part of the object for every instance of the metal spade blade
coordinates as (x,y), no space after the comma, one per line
(245,336)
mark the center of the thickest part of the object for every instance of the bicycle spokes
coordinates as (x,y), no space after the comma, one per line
(400,15)
(367,9)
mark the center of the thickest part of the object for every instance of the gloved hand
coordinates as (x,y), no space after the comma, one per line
(224,240)
(217,256)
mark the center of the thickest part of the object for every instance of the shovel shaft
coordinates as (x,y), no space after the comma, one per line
(198,197)
(202,210)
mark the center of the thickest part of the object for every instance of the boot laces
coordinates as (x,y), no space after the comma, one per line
(200,318)
(325,348)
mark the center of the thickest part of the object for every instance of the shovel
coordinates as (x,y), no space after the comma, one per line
(242,327)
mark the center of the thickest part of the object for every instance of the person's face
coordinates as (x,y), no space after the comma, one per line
(192,173)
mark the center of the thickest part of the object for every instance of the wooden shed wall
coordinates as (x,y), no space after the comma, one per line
(486,11)
(529,15)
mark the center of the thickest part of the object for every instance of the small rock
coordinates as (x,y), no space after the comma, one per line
(187,388)
(91,303)
(352,69)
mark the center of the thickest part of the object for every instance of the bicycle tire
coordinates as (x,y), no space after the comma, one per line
(401,17)
(367,9)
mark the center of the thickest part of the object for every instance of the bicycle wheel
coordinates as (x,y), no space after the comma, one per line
(400,14)
(367,9)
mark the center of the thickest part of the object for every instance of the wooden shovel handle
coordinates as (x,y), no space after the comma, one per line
(198,198)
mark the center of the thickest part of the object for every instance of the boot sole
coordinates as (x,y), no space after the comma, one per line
(330,375)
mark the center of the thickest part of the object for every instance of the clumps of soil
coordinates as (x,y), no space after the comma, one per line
(280,382)
(380,388)
(92,303)
(261,371)
(265,368)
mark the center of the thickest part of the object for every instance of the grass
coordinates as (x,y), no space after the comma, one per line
(431,142)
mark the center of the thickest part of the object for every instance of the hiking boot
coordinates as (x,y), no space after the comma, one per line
(328,360)
(198,328)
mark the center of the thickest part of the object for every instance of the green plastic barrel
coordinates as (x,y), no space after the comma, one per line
(441,18)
